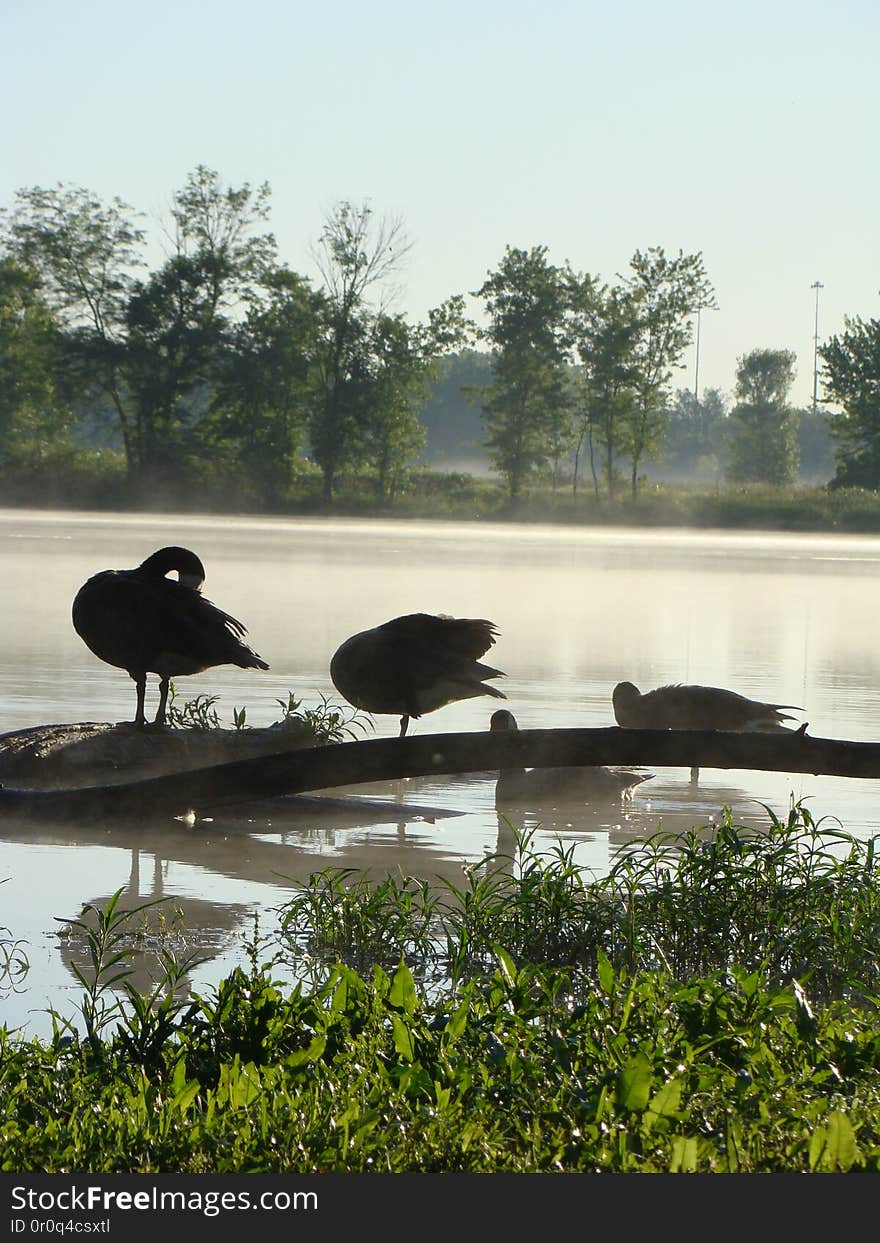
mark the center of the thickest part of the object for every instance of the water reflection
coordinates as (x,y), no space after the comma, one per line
(780,618)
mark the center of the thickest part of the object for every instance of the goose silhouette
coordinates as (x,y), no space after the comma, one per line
(583,783)
(141,621)
(699,708)
(415,664)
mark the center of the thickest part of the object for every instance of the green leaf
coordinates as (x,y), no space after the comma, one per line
(403,990)
(664,1102)
(684,1155)
(403,1041)
(833,1147)
(606,973)
(634,1084)
(508,966)
(312,1052)
(456,1024)
(185,1097)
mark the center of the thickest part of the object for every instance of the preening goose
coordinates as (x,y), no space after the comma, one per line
(583,783)
(415,664)
(697,707)
(143,622)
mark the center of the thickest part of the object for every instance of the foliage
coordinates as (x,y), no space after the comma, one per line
(266,385)
(146,346)
(144,1025)
(527,406)
(851,377)
(372,366)
(798,899)
(666,292)
(198,713)
(14,962)
(763,444)
(451,414)
(681,1026)
(85,254)
(696,431)
(357,258)
(34,420)
(327,722)
(606,332)
(324,723)
(816,458)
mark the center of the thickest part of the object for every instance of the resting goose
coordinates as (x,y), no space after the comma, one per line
(143,622)
(582,783)
(697,707)
(415,664)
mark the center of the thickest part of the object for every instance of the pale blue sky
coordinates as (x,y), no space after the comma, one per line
(747,131)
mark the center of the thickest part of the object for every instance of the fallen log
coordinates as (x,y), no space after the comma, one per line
(385,759)
(93,753)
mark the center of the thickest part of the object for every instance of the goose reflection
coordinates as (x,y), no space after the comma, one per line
(589,783)
(150,924)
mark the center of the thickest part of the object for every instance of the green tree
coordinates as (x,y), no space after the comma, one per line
(697,430)
(392,435)
(180,321)
(525,407)
(403,360)
(358,258)
(606,333)
(148,346)
(815,445)
(666,293)
(34,421)
(85,254)
(266,387)
(763,444)
(452,416)
(851,378)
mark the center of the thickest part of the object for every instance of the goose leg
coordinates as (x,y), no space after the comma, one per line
(163,700)
(141,684)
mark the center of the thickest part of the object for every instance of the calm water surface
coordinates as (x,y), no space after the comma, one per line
(787,618)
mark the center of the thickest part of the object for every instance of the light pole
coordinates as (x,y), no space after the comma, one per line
(697,362)
(817,285)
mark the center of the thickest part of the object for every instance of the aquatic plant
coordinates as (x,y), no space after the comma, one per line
(583,1025)
(325,722)
(797,900)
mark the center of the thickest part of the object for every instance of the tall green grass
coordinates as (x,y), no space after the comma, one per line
(798,900)
(711,1005)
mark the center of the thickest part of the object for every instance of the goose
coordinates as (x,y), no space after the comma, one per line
(415,664)
(143,622)
(583,783)
(697,707)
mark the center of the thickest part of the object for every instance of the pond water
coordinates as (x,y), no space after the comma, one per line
(780,617)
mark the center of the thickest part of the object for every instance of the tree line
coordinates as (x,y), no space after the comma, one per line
(222,362)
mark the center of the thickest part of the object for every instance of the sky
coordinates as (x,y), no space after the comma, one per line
(746,132)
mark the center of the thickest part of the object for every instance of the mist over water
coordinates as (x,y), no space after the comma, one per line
(784,618)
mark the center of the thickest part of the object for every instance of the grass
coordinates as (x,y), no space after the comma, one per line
(711,1005)
(323,723)
(798,900)
(99,483)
